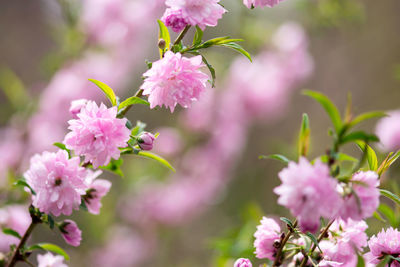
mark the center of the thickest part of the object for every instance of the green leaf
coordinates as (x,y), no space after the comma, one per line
(360,261)
(132,101)
(359,136)
(371,155)
(379,217)
(114,166)
(314,240)
(107,91)
(339,157)
(63,147)
(390,195)
(50,220)
(366,116)
(304,136)
(164,34)
(139,128)
(50,247)
(212,42)
(211,69)
(9,231)
(83,206)
(329,107)
(197,36)
(279,157)
(237,48)
(287,221)
(155,157)
(23,183)
(389,160)
(394,258)
(388,213)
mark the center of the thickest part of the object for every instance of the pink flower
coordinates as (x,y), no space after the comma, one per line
(146,140)
(174,80)
(76,107)
(71,233)
(17,218)
(267,234)
(196,12)
(385,243)
(346,239)
(58,181)
(388,131)
(98,188)
(260,3)
(97,134)
(173,18)
(362,201)
(242,262)
(309,192)
(49,260)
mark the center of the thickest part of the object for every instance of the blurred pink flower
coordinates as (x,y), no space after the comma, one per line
(174,80)
(146,140)
(71,233)
(169,142)
(242,262)
(97,134)
(76,106)
(58,181)
(49,260)
(260,3)
(200,13)
(388,131)
(173,18)
(384,243)
(267,234)
(309,192)
(18,219)
(98,188)
(362,201)
(346,239)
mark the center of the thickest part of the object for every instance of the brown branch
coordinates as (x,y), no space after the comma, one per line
(277,261)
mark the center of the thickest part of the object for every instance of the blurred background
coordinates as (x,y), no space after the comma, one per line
(204,214)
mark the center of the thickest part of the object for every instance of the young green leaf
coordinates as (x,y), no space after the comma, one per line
(236,47)
(9,231)
(304,136)
(390,195)
(132,101)
(366,116)
(314,240)
(359,136)
(378,216)
(23,183)
(164,34)
(197,36)
(114,166)
(287,221)
(155,157)
(107,91)
(329,107)
(50,247)
(212,71)
(339,157)
(389,160)
(371,155)
(140,126)
(281,158)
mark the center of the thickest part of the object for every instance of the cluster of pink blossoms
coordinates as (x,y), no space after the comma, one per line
(200,13)
(260,3)
(310,193)
(384,243)
(267,234)
(174,80)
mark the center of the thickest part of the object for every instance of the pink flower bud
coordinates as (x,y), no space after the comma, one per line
(242,262)
(71,233)
(146,141)
(76,107)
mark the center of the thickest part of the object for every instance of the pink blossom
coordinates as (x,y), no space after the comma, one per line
(388,131)
(98,188)
(200,13)
(17,218)
(58,181)
(242,262)
(97,134)
(49,260)
(267,234)
(174,80)
(173,18)
(309,192)
(362,201)
(260,3)
(146,140)
(76,107)
(384,243)
(71,233)
(346,239)
(169,142)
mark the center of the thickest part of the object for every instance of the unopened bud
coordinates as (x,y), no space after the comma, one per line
(146,140)
(161,43)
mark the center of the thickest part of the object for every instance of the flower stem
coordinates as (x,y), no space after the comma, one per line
(181,35)
(320,237)
(124,111)
(278,260)
(16,256)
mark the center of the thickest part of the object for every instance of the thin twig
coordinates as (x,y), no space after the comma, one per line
(16,254)
(277,261)
(181,35)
